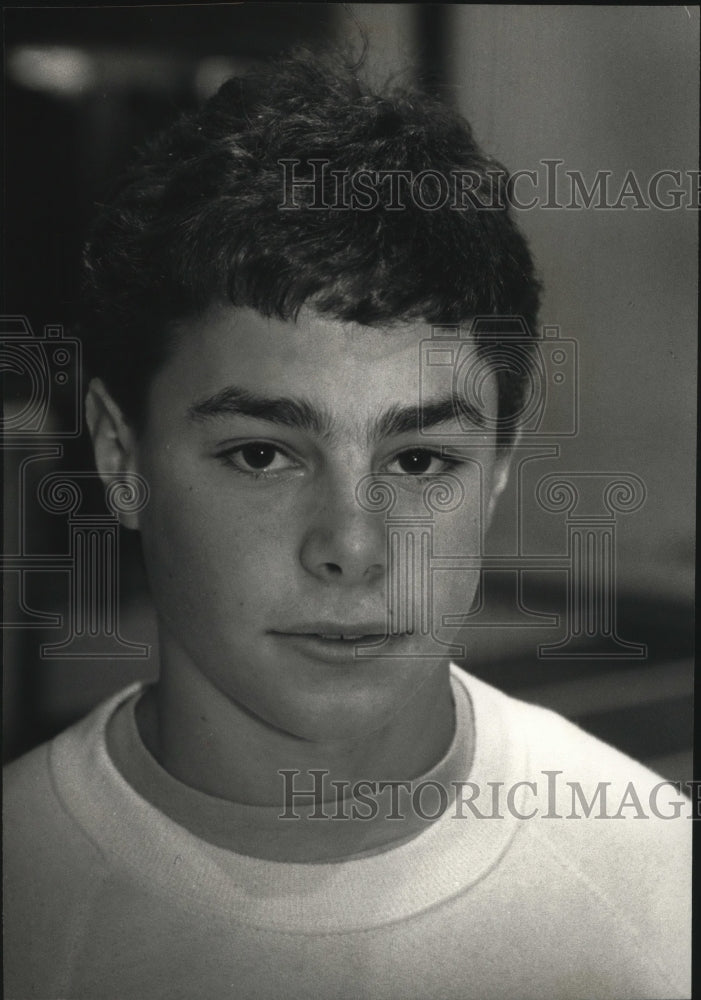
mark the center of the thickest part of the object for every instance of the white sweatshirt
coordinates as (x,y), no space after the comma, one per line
(107,898)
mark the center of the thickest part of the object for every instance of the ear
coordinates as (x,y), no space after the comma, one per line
(114,442)
(502,469)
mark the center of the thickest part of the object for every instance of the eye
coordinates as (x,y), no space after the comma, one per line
(257,458)
(421,462)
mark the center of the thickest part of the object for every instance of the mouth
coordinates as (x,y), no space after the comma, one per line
(331,641)
(359,637)
(338,633)
(335,629)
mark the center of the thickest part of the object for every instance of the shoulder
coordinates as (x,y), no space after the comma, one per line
(38,788)
(54,862)
(550,746)
(571,777)
(610,839)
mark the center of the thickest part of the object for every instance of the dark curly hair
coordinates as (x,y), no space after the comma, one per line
(197,219)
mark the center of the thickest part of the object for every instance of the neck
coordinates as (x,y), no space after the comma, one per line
(208,741)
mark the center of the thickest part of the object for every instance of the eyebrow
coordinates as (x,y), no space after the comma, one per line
(298,413)
(405,419)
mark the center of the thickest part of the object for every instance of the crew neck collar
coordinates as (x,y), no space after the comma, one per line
(297,897)
(332,830)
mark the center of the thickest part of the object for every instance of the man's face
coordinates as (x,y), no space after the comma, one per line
(264,566)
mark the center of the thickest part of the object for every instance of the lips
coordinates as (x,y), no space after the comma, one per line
(336,631)
(356,634)
(343,637)
(332,643)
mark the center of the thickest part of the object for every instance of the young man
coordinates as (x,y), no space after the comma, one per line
(311,802)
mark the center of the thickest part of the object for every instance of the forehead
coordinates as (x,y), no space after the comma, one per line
(309,356)
(344,367)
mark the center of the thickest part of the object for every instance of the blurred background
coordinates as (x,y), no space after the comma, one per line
(597,88)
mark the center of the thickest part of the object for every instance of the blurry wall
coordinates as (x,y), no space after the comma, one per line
(607,88)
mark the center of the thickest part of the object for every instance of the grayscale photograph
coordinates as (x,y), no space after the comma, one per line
(349,432)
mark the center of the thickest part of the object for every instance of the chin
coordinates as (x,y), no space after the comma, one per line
(333,719)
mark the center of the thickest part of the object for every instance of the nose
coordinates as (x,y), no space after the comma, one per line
(343,543)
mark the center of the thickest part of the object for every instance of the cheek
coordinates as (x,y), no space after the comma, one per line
(204,550)
(456,537)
